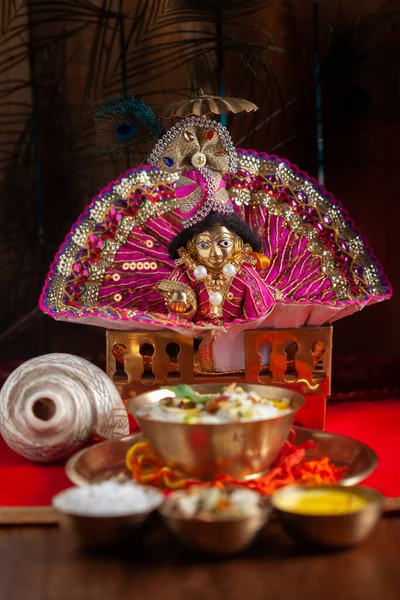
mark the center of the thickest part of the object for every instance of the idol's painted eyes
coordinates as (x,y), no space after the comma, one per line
(203,245)
(225,243)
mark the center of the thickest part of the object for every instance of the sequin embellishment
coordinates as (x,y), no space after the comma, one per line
(188,135)
(209,135)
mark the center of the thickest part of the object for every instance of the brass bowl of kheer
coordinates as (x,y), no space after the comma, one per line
(203,451)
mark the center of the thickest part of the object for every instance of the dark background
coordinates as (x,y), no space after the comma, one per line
(59,59)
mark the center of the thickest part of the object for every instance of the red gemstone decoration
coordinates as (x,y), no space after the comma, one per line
(209,135)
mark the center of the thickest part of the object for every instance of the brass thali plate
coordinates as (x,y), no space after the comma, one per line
(106,460)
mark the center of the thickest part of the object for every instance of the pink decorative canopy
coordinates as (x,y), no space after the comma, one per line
(107,271)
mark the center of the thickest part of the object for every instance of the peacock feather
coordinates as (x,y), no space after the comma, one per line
(121,122)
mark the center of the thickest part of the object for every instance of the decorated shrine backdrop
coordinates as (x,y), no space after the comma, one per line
(320,71)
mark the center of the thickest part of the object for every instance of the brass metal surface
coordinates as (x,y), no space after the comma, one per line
(220,537)
(166,369)
(204,451)
(203,104)
(99,532)
(106,460)
(305,365)
(333,530)
(180,298)
(214,247)
(96,531)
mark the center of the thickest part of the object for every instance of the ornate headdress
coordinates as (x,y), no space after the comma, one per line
(202,151)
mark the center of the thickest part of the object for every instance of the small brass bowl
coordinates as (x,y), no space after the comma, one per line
(204,450)
(221,537)
(98,532)
(330,531)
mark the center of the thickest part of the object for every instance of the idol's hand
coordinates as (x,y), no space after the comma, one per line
(178,303)
(179,297)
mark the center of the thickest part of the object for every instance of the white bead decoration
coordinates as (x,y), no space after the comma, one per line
(229,270)
(215,298)
(200,272)
(198,159)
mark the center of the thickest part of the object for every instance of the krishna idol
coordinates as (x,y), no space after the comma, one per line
(208,239)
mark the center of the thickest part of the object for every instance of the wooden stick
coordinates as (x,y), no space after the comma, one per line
(28,515)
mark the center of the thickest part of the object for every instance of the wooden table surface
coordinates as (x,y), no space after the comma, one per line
(43,563)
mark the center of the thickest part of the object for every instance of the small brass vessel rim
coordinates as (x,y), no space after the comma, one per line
(374,497)
(74,515)
(296,402)
(165,512)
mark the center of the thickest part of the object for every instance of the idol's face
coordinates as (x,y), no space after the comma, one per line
(215,247)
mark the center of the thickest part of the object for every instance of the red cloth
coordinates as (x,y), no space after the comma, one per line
(377,424)
(24,483)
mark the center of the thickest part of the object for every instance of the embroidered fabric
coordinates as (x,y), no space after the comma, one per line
(107,271)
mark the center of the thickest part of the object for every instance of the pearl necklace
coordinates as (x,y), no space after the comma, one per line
(222,282)
(215,297)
